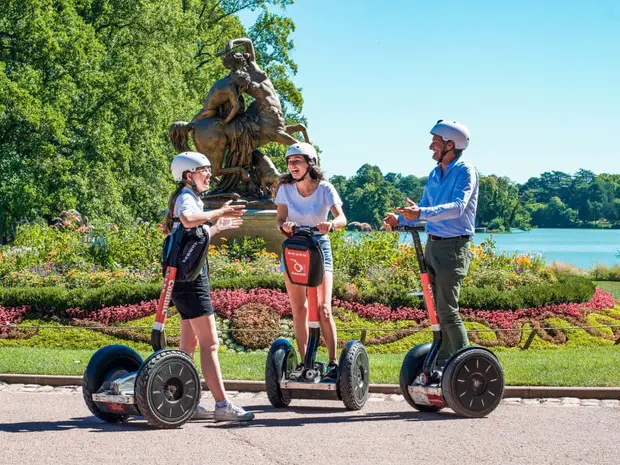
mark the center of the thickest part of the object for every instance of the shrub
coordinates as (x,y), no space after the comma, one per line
(247,248)
(226,301)
(56,300)
(10,315)
(275,281)
(75,246)
(255,326)
(47,276)
(605,273)
(115,314)
(565,268)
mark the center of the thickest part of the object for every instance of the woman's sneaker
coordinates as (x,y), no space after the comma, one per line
(202,413)
(332,371)
(297,372)
(232,412)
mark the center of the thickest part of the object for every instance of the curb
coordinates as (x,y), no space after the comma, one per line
(524,392)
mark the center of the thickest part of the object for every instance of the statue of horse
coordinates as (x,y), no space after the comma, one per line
(229,142)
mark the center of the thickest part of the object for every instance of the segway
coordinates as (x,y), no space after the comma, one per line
(164,389)
(472,381)
(304,265)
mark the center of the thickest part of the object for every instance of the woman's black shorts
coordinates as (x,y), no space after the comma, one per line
(193,299)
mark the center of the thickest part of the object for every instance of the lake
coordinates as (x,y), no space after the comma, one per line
(580,247)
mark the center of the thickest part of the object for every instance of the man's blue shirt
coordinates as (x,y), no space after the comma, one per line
(450,200)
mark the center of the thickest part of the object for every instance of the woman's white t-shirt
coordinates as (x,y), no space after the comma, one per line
(187,201)
(311,210)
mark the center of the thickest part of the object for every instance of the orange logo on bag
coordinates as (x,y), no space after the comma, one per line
(297,265)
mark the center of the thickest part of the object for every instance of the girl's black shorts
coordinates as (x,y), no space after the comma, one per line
(193,299)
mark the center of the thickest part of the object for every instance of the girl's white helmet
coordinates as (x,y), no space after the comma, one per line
(454,131)
(302,148)
(187,161)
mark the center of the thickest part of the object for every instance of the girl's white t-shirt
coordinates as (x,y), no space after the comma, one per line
(187,201)
(311,210)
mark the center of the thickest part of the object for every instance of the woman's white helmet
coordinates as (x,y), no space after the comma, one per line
(302,148)
(187,161)
(454,131)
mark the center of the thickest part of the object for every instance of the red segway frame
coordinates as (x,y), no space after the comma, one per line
(463,384)
(158,336)
(427,291)
(429,302)
(304,265)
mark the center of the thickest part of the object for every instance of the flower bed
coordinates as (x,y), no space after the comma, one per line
(394,324)
(11,316)
(115,314)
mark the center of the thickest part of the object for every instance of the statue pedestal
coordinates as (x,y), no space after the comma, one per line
(256,223)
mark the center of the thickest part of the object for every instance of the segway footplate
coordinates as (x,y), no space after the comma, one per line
(426,395)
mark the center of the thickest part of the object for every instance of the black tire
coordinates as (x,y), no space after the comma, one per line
(282,359)
(168,389)
(409,371)
(473,382)
(107,364)
(354,376)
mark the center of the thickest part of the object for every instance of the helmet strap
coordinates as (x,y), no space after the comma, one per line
(192,185)
(303,177)
(310,163)
(444,153)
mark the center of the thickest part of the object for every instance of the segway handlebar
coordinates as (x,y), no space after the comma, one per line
(312,229)
(419,226)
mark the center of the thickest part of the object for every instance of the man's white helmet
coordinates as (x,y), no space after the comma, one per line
(454,131)
(302,148)
(187,161)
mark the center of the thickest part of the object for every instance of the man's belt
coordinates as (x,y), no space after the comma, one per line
(437,238)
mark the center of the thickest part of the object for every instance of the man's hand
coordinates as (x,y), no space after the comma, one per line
(412,212)
(390,221)
(231,211)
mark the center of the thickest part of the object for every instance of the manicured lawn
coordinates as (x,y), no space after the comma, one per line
(612,287)
(587,366)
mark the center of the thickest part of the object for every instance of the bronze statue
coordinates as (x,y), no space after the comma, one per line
(229,135)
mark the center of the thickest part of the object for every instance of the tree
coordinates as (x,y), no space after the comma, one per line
(367,196)
(88,89)
(554,215)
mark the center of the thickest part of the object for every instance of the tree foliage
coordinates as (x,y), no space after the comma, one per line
(88,89)
(552,200)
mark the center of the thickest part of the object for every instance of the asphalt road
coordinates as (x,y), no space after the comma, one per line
(53,426)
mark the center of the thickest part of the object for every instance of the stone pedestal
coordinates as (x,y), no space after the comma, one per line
(256,223)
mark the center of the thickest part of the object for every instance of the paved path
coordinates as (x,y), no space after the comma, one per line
(43,424)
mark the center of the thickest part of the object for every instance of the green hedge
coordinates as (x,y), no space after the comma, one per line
(50,299)
(274,281)
(569,289)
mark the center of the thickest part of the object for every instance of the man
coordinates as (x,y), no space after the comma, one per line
(449,206)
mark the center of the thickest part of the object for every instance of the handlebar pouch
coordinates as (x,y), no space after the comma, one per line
(303,259)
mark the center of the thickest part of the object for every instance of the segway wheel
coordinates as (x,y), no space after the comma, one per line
(281,361)
(106,365)
(354,377)
(409,371)
(473,383)
(167,389)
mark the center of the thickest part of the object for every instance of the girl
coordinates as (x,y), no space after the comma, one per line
(192,299)
(305,199)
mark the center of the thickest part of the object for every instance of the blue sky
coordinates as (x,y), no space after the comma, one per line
(537,82)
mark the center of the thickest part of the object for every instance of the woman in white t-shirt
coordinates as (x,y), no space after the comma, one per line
(305,199)
(192,170)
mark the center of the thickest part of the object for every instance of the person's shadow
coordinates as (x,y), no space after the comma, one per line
(311,416)
(91,423)
(320,415)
